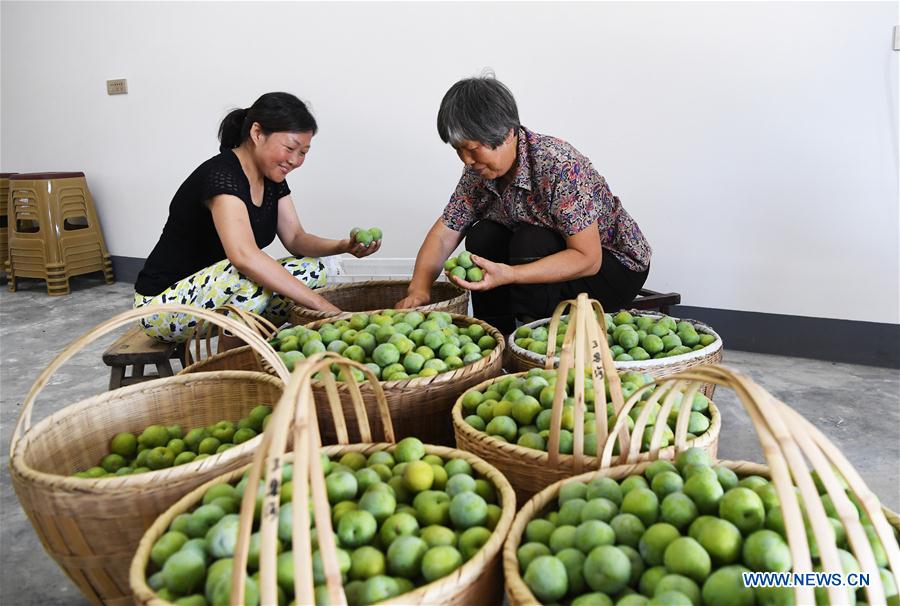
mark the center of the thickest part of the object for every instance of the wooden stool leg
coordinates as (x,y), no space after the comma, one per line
(134,352)
(164,369)
(179,354)
(115,377)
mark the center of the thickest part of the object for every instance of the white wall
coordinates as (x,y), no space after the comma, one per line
(755,143)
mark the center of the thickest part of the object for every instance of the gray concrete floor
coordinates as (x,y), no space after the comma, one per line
(858,407)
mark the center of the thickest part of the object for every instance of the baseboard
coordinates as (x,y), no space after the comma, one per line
(127,269)
(834,340)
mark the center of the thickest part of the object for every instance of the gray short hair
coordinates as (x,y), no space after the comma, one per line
(478,109)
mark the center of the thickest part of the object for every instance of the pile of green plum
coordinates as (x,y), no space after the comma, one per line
(396,345)
(517,409)
(365,236)
(402,519)
(630,337)
(463,267)
(677,535)
(161,446)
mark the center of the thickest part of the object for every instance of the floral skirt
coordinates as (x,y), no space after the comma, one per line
(222,284)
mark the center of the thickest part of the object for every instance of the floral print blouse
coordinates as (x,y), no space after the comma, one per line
(554,187)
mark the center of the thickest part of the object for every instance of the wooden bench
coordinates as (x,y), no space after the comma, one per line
(649,299)
(136,349)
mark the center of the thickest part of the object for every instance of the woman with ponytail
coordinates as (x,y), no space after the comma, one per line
(229,209)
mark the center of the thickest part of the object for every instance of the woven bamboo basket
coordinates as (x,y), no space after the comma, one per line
(519,359)
(419,406)
(477,582)
(92,526)
(381,294)
(790,445)
(530,470)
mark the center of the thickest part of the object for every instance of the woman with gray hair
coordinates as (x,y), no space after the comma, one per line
(538,218)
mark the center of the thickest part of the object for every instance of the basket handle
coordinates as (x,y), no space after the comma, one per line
(203,338)
(256,342)
(582,340)
(588,324)
(323,362)
(296,411)
(631,449)
(788,440)
(553,330)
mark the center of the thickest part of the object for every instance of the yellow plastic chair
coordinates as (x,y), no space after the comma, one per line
(54,232)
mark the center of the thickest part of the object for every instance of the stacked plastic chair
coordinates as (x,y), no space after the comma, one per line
(54,232)
(4,218)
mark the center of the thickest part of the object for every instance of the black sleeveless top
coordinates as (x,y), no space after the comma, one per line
(189,241)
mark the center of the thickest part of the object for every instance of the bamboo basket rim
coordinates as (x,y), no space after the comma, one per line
(542,457)
(543,499)
(460,296)
(440,378)
(105,485)
(636,365)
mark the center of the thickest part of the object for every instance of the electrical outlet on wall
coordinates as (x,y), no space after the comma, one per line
(117,87)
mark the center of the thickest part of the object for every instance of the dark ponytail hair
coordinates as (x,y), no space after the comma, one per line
(275,112)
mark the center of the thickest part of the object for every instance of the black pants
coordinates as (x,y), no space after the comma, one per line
(614,285)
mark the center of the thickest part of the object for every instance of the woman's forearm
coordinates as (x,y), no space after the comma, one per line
(310,245)
(438,245)
(267,272)
(563,266)
(428,266)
